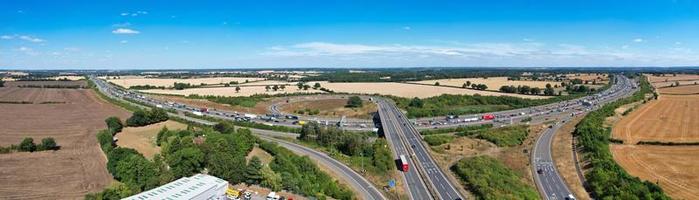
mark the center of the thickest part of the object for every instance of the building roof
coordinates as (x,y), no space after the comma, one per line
(183,188)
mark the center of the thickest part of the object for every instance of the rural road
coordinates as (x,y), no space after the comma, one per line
(548,181)
(358,183)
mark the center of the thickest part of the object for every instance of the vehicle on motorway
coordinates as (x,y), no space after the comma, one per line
(570,197)
(197,113)
(403,163)
(488,117)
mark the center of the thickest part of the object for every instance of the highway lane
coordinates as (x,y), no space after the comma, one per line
(547,178)
(412,181)
(356,181)
(431,173)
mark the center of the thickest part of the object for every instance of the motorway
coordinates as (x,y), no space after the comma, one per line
(548,181)
(406,140)
(365,188)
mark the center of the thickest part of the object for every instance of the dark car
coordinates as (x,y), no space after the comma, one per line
(539,171)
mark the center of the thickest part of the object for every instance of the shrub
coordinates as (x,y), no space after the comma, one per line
(488,178)
(434,140)
(27,145)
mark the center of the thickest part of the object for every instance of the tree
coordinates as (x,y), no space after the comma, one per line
(305,87)
(468,83)
(416,102)
(275,87)
(186,161)
(138,118)
(137,172)
(226,166)
(549,91)
(436,83)
(114,124)
(464,86)
(252,171)
(237,89)
(27,145)
(48,144)
(354,102)
(382,155)
(224,127)
(2,83)
(316,86)
(535,90)
(283,87)
(267,88)
(299,85)
(270,179)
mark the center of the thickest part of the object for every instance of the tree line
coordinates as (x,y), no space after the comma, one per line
(222,150)
(144,118)
(28,145)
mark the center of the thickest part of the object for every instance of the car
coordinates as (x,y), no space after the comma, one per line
(540,171)
(570,197)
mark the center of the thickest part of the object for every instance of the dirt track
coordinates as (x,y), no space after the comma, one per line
(69,173)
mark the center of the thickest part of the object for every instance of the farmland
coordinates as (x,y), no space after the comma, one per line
(128,81)
(230,91)
(671,119)
(143,138)
(493,83)
(411,90)
(69,173)
(672,78)
(673,167)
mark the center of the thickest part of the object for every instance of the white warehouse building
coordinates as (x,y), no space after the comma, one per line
(197,187)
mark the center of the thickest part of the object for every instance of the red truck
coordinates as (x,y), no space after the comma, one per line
(488,117)
(403,163)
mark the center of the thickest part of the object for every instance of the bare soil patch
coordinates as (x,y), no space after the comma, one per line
(265,157)
(332,108)
(78,168)
(668,119)
(143,138)
(671,77)
(672,167)
(44,83)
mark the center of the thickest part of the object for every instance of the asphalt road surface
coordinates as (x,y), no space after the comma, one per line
(406,140)
(548,180)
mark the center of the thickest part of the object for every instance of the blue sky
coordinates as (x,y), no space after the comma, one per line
(122,34)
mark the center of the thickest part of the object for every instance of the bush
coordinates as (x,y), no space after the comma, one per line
(488,178)
(114,124)
(48,144)
(354,102)
(506,136)
(27,145)
(434,140)
(144,118)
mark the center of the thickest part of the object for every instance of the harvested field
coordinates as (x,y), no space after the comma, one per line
(143,138)
(589,77)
(670,83)
(43,83)
(412,90)
(270,82)
(681,90)
(669,119)
(260,107)
(78,167)
(169,82)
(332,108)
(673,167)
(493,83)
(230,91)
(672,78)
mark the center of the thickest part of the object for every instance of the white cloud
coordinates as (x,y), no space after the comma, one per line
(637,40)
(125,24)
(134,14)
(124,41)
(7,37)
(27,50)
(407,28)
(31,39)
(125,31)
